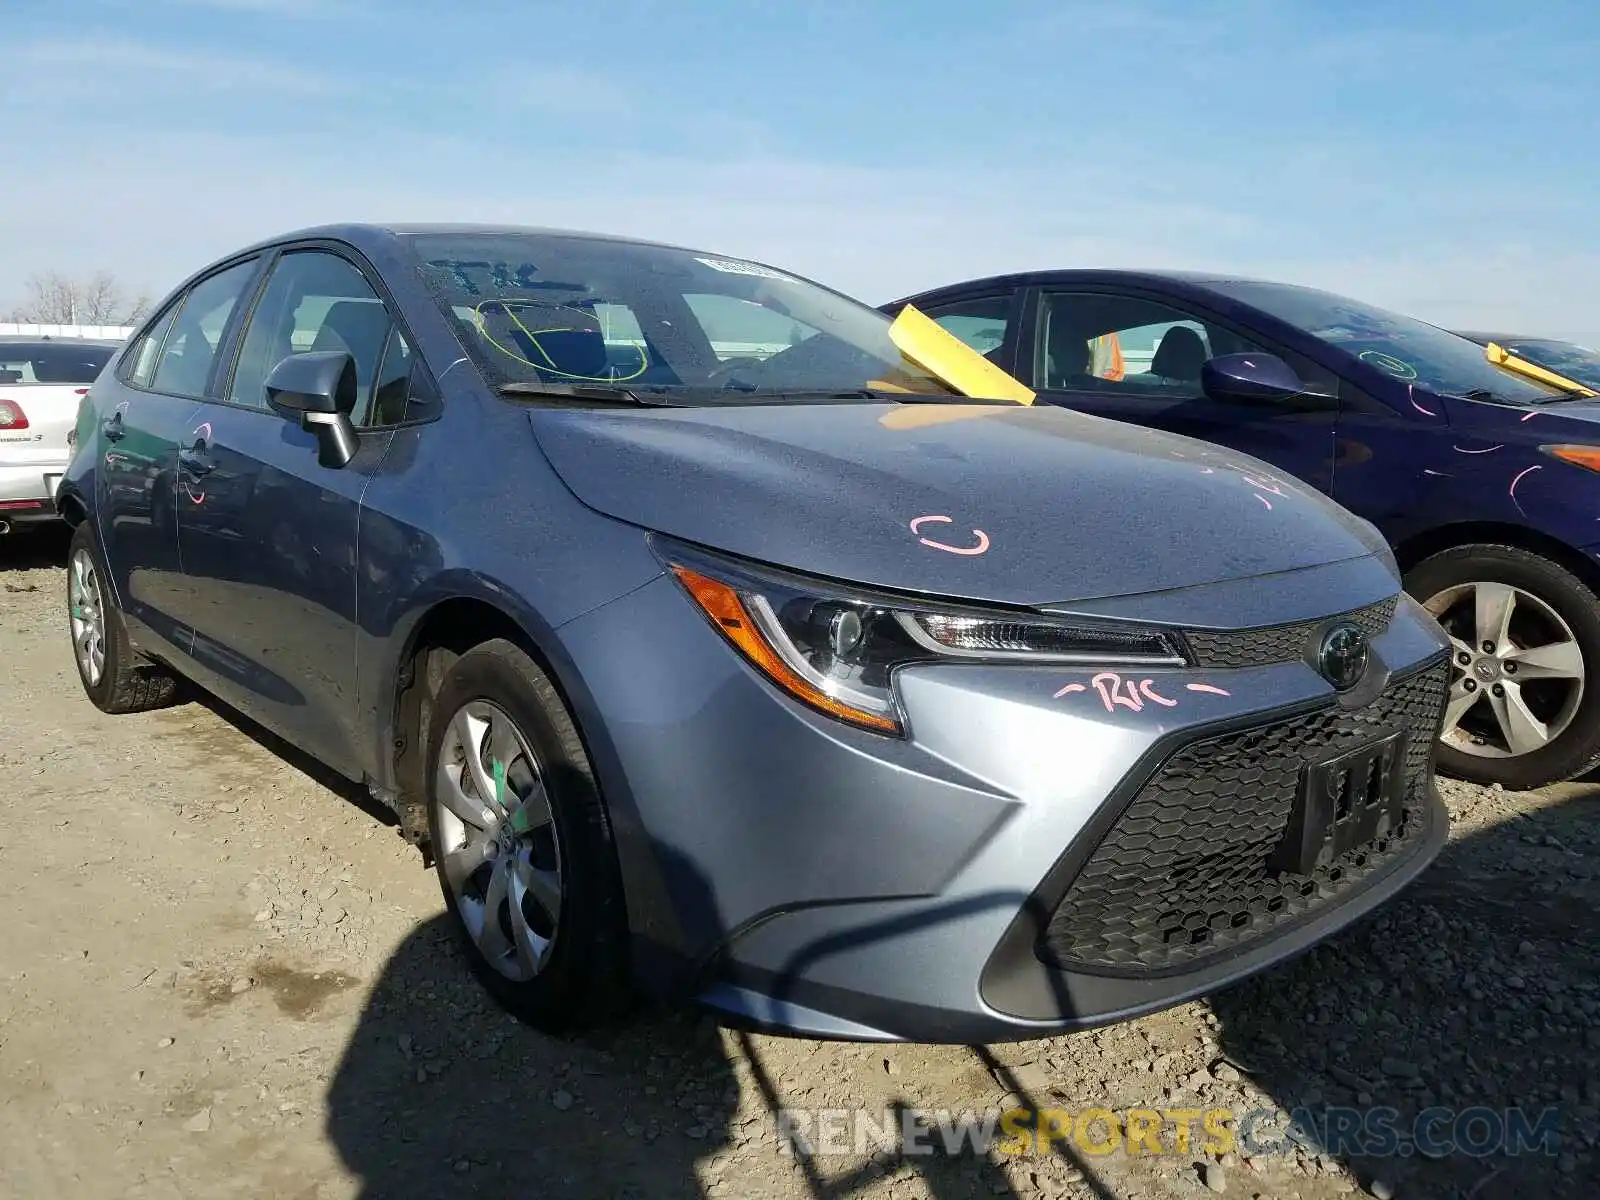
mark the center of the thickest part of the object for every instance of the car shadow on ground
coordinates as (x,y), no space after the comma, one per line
(1471,996)
(324,776)
(35,549)
(441,1093)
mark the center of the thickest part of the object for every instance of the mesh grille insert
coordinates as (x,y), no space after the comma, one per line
(1278,643)
(1187,871)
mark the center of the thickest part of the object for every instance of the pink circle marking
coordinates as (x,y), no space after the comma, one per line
(919,522)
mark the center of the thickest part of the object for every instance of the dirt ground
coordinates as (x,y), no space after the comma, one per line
(224,974)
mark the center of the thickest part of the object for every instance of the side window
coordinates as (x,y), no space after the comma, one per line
(980,322)
(391,390)
(316,301)
(190,348)
(142,359)
(1125,345)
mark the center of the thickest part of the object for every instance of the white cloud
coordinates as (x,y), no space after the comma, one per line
(153,206)
(102,67)
(507,92)
(1176,19)
(321,10)
(144,76)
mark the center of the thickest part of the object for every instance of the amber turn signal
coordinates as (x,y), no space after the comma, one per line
(1578,456)
(726,610)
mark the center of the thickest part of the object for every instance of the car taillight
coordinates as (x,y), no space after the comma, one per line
(12,416)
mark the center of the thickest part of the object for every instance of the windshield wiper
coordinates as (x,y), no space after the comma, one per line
(869,394)
(598,393)
(1567,393)
(1484,394)
(843,393)
(678,395)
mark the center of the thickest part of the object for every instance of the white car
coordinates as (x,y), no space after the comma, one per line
(42,382)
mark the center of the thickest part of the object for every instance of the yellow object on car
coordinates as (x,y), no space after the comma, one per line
(1501,357)
(936,350)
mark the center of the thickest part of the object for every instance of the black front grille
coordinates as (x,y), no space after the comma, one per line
(1190,867)
(1278,643)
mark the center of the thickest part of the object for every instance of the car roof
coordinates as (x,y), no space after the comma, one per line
(1474,335)
(1085,275)
(366,234)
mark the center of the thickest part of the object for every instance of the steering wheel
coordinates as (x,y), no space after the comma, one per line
(724,369)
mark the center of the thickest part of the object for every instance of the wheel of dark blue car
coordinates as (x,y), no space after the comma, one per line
(1525,632)
(113,676)
(522,843)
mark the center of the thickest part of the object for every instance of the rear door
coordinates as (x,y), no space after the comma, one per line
(165,380)
(268,534)
(1135,357)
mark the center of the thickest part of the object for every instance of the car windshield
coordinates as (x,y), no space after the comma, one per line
(52,362)
(1405,348)
(690,328)
(1567,359)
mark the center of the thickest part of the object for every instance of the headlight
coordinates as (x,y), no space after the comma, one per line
(836,648)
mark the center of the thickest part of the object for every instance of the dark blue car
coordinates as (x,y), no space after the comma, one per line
(1483,481)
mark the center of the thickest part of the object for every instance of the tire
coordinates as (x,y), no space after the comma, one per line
(1551,605)
(125,683)
(582,979)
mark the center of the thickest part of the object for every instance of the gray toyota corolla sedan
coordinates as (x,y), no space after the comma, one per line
(714,648)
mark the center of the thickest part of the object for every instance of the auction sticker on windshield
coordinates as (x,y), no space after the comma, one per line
(730,267)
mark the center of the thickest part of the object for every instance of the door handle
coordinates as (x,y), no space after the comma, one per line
(195,460)
(111,428)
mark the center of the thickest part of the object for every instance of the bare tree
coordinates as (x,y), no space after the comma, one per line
(99,299)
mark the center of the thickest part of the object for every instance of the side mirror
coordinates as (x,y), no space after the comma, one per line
(1249,378)
(319,389)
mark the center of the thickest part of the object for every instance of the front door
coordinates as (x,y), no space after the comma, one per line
(1138,359)
(268,534)
(985,321)
(163,385)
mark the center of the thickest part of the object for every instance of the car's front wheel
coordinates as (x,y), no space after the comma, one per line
(522,843)
(1525,633)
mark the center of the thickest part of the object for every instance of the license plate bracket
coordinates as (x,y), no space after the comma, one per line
(1344,802)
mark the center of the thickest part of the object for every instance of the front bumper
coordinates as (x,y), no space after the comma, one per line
(804,877)
(27,492)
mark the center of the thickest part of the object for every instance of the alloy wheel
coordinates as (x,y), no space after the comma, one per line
(499,853)
(1519,672)
(87,614)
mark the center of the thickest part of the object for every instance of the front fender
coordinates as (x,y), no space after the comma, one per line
(1478,480)
(389,643)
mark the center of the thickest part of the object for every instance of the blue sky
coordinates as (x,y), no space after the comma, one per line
(1441,158)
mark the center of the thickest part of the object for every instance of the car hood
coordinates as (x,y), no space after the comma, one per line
(1024,505)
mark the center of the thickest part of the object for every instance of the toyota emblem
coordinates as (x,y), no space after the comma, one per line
(1343,656)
